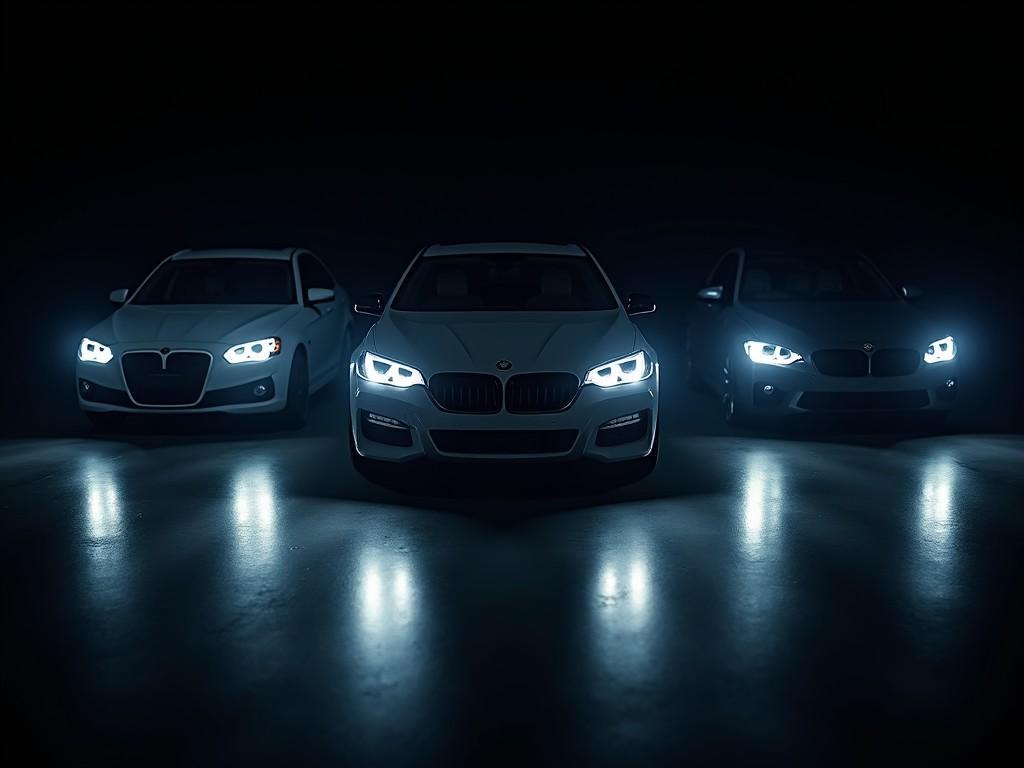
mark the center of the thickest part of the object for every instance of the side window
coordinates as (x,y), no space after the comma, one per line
(313,274)
(725,274)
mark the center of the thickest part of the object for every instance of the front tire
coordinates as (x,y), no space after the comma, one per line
(296,411)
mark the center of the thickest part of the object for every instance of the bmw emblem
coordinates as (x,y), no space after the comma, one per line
(504,365)
(868,346)
(165,351)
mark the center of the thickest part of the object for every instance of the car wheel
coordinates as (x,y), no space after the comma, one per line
(106,422)
(296,411)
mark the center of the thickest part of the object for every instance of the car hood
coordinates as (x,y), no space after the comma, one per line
(476,341)
(179,323)
(807,326)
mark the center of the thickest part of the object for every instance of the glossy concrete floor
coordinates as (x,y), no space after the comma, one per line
(217,593)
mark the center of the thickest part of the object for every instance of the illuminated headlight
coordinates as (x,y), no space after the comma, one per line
(384,371)
(940,351)
(770,354)
(624,370)
(93,352)
(253,351)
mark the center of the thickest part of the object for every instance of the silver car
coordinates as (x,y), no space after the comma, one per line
(238,331)
(504,351)
(786,330)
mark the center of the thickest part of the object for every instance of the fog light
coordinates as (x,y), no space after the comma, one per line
(622,421)
(385,421)
(769,389)
(86,386)
(259,390)
(384,429)
(624,429)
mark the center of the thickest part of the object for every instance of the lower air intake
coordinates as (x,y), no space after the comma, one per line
(497,442)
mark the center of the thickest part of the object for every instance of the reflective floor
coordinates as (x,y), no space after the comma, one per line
(249,597)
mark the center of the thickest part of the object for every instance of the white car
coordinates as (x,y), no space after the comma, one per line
(236,331)
(504,351)
(796,330)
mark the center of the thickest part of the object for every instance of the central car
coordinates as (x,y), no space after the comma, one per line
(504,351)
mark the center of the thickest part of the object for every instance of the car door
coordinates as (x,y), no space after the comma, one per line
(324,324)
(708,336)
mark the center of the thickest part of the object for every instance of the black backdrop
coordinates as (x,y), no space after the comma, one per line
(133,131)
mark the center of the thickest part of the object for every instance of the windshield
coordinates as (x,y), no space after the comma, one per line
(219,281)
(504,282)
(812,278)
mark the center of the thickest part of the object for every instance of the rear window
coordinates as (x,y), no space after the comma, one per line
(504,282)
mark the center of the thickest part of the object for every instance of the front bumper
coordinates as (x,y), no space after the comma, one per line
(228,388)
(802,389)
(500,436)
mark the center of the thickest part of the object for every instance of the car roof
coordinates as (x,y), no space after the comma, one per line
(459,249)
(798,247)
(234,253)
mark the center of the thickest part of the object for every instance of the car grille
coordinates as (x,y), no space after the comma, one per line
(853,362)
(503,441)
(466,392)
(540,392)
(841,362)
(894,362)
(863,401)
(178,382)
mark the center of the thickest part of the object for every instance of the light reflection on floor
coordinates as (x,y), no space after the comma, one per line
(394,619)
(934,558)
(254,507)
(106,574)
(624,609)
(382,647)
(759,552)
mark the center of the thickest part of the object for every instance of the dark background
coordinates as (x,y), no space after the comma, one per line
(658,141)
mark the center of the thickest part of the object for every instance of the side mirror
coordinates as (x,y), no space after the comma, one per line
(711,293)
(120,296)
(911,292)
(370,304)
(319,295)
(639,304)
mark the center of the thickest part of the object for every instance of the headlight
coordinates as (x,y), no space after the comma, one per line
(94,352)
(940,351)
(253,351)
(624,370)
(770,354)
(383,371)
